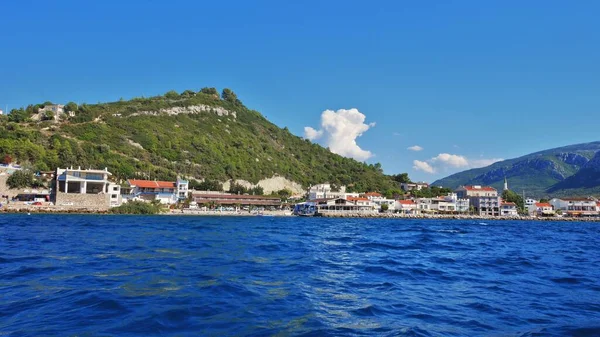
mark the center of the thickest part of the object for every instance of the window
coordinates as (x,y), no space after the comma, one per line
(113,196)
(115,188)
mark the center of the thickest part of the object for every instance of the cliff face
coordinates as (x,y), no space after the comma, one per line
(568,170)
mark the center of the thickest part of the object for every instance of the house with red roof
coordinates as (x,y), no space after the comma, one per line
(378,200)
(166,192)
(508,209)
(406,206)
(540,209)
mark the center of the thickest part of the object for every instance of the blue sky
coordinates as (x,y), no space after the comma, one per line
(467,81)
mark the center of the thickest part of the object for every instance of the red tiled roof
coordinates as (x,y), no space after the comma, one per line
(349,198)
(373,194)
(406,202)
(151,183)
(482,188)
(509,204)
(542,204)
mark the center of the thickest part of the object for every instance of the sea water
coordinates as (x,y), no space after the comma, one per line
(72,275)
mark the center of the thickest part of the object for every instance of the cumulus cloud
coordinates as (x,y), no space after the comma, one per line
(415,148)
(312,134)
(339,131)
(423,166)
(446,161)
(453,160)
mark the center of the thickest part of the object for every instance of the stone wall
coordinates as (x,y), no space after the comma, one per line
(91,201)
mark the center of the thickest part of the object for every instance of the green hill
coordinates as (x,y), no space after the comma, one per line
(565,171)
(200,135)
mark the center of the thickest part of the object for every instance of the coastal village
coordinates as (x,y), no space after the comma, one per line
(94,190)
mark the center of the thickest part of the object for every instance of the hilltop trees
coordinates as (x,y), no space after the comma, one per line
(511,196)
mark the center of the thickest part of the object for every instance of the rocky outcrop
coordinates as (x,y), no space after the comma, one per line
(192,109)
(269,185)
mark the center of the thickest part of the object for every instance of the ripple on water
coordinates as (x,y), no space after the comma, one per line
(132,276)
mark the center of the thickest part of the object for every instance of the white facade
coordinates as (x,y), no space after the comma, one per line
(405,206)
(323,191)
(413,186)
(508,209)
(575,206)
(114,194)
(56,109)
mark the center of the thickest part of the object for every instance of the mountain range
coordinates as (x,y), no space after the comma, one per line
(572,170)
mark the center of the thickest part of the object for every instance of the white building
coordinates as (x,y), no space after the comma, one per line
(166,192)
(540,209)
(413,186)
(377,199)
(575,206)
(406,206)
(56,109)
(324,191)
(87,188)
(508,209)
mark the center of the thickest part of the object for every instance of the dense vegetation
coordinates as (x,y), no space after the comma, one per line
(133,139)
(137,207)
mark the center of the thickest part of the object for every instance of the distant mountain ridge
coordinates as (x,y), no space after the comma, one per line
(572,170)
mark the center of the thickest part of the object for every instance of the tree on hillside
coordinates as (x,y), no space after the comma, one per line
(257,190)
(71,106)
(7,160)
(511,196)
(172,94)
(209,91)
(236,188)
(401,178)
(188,94)
(228,95)
(284,194)
(20,179)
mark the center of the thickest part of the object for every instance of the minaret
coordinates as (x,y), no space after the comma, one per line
(505,184)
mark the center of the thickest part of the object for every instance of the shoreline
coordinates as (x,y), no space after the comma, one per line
(84,211)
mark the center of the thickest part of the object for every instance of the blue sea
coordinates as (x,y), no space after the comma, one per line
(93,275)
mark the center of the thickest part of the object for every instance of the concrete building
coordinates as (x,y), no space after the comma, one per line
(575,206)
(484,199)
(406,206)
(56,109)
(508,209)
(540,209)
(166,192)
(413,186)
(234,200)
(87,188)
(324,191)
(377,199)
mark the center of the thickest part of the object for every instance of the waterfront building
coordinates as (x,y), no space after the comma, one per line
(377,199)
(166,192)
(540,209)
(484,199)
(325,191)
(87,188)
(341,206)
(508,209)
(234,200)
(575,206)
(406,206)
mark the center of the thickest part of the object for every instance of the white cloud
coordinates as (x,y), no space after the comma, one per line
(396,134)
(312,134)
(447,162)
(423,166)
(339,131)
(415,148)
(453,160)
